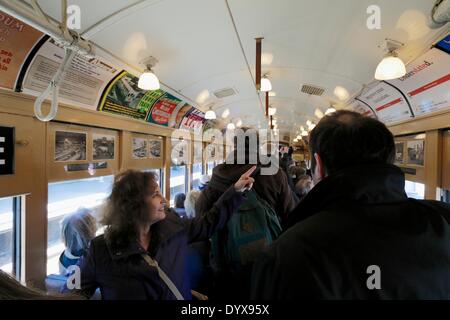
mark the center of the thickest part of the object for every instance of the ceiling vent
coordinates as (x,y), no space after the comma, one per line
(314,90)
(223,93)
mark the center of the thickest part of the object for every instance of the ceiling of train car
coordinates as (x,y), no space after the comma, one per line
(324,43)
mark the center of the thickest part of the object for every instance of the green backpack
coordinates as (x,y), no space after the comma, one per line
(251,228)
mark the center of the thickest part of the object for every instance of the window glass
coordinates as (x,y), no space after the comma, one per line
(6,234)
(65,198)
(446,196)
(210,167)
(196,175)
(415,190)
(177,181)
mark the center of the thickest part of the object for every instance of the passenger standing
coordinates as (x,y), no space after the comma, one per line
(273,190)
(77,230)
(179,204)
(142,254)
(357,235)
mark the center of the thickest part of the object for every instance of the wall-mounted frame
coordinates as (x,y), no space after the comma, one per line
(415,153)
(141,151)
(400,153)
(411,161)
(78,152)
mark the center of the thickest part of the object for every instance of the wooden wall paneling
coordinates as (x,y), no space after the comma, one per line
(29,179)
(433,158)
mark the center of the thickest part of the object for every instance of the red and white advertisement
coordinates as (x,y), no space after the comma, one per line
(17,39)
(193,120)
(84,81)
(387,102)
(361,108)
(427,82)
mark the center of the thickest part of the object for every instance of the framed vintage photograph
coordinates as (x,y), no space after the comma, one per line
(70,146)
(140,150)
(400,152)
(155,148)
(103,146)
(415,152)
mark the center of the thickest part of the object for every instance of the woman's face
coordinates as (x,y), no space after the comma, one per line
(156,204)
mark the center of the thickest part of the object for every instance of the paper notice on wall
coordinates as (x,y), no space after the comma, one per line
(361,108)
(83,83)
(17,39)
(388,103)
(427,82)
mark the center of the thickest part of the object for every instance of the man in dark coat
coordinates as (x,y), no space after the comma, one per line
(356,235)
(273,188)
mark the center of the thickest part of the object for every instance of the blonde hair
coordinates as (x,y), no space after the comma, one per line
(189,203)
(77,230)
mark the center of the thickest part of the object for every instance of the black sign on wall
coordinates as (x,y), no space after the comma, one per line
(6,150)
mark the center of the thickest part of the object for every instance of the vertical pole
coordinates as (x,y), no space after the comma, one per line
(267,103)
(258,63)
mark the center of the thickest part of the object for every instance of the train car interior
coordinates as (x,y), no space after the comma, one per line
(89,89)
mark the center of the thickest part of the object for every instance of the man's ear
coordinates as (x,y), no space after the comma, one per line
(319,170)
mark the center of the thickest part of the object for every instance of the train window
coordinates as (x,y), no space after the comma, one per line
(210,167)
(177,181)
(196,175)
(415,190)
(10,214)
(159,175)
(65,198)
(446,196)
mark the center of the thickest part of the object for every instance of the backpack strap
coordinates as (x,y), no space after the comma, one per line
(154,264)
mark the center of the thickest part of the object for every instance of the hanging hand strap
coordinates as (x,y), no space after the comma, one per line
(163,276)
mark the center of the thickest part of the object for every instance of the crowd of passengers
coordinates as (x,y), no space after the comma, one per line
(299,233)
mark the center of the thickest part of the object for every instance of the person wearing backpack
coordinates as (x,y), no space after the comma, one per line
(253,226)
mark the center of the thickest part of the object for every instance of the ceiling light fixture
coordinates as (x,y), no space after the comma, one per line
(148,80)
(266,85)
(391,67)
(210,114)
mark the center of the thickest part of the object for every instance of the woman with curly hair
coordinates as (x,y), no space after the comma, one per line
(142,254)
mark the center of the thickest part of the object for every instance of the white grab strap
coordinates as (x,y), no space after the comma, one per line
(53,87)
(153,263)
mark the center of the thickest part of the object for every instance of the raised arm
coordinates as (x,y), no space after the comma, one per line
(205,225)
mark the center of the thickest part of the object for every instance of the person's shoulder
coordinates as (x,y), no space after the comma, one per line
(98,241)
(439,205)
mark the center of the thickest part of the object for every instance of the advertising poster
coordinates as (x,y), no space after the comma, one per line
(193,120)
(399,152)
(139,148)
(416,152)
(124,97)
(178,114)
(17,39)
(83,83)
(426,83)
(155,148)
(162,109)
(361,108)
(103,147)
(388,103)
(70,146)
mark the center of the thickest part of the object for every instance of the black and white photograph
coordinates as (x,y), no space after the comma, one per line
(103,147)
(70,146)
(416,150)
(399,152)
(140,148)
(155,148)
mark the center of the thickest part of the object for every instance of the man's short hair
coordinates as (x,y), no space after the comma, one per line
(346,138)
